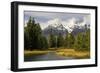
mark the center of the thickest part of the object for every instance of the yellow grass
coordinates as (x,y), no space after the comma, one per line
(73,53)
(61,52)
(34,52)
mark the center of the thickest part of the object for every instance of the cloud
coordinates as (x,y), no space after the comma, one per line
(55,22)
(69,24)
(87,19)
(68,20)
(41,16)
(43,25)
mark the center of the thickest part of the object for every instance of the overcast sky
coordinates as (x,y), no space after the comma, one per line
(44,18)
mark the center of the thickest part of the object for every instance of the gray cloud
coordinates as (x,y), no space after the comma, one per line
(44,17)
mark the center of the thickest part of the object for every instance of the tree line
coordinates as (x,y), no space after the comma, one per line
(34,39)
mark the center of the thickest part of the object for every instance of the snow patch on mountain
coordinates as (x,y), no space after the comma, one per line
(55,22)
(68,24)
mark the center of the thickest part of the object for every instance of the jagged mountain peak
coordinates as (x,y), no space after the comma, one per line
(68,25)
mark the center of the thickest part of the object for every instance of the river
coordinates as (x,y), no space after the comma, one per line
(46,57)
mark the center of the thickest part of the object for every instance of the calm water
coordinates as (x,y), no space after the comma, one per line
(48,56)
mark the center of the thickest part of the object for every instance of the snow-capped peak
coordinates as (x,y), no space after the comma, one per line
(55,22)
(68,24)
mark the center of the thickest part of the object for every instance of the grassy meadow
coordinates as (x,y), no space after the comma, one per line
(76,54)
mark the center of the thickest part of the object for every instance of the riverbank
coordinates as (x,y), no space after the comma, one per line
(73,53)
(34,52)
(61,52)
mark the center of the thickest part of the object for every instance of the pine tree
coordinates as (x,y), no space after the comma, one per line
(82,41)
(33,36)
(66,41)
(43,43)
(79,41)
(52,41)
(69,40)
(60,41)
(26,39)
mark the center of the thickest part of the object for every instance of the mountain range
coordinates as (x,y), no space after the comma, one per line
(63,29)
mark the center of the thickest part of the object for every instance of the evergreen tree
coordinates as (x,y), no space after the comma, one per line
(88,39)
(83,41)
(43,43)
(52,41)
(79,41)
(69,40)
(26,39)
(60,41)
(66,41)
(33,36)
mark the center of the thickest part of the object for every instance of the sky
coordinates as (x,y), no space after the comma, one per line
(50,18)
